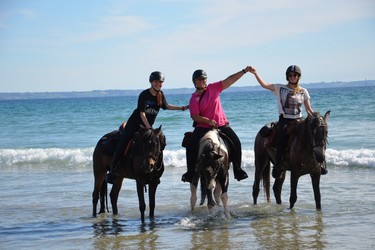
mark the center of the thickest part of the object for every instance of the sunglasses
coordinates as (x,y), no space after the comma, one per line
(293,75)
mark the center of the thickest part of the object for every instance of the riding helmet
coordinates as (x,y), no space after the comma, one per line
(199,73)
(293,68)
(157,75)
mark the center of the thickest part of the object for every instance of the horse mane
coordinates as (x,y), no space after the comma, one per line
(210,136)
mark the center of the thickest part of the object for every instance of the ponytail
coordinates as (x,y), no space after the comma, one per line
(159,98)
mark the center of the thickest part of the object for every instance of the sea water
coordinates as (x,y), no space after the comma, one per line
(46,179)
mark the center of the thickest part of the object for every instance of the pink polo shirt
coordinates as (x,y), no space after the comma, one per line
(210,105)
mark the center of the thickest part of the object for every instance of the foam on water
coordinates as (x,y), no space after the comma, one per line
(172,158)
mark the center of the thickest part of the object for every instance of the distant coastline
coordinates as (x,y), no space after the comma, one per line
(114,93)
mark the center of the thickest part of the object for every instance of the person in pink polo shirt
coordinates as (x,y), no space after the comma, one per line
(207,113)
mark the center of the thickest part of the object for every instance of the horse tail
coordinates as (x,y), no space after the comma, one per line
(106,195)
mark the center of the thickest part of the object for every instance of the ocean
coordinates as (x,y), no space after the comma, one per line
(46,179)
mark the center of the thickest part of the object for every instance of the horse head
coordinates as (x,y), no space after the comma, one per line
(210,160)
(318,125)
(149,145)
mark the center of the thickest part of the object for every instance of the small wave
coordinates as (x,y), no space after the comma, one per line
(351,157)
(172,158)
(38,155)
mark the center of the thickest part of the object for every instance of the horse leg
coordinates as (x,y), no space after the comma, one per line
(100,188)
(193,197)
(217,194)
(95,198)
(256,184)
(116,187)
(315,179)
(210,199)
(261,173)
(141,199)
(203,193)
(277,187)
(151,196)
(293,189)
(102,195)
(224,195)
(209,191)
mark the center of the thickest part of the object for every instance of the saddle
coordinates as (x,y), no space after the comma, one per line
(110,141)
(270,133)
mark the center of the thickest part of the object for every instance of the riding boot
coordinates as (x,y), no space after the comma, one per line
(239,173)
(111,176)
(276,170)
(191,156)
(189,175)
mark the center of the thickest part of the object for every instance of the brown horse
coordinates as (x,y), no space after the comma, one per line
(305,154)
(143,163)
(212,170)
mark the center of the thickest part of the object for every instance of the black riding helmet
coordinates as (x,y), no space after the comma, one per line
(199,73)
(293,68)
(157,75)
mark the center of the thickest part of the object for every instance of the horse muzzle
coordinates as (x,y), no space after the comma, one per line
(149,165)
(211,185)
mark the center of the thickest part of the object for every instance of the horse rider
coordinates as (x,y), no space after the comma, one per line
(290,98)
(207,113)
(149,103)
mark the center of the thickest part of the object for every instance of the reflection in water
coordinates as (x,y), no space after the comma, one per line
(119,234)
(210,238)
(290,231)
(107,227)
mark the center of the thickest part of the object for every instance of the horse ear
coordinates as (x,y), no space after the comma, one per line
(327,116)
(158,130)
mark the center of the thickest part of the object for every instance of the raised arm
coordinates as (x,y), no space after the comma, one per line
(234,77)
(261,82)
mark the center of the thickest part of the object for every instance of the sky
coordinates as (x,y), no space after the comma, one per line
(84,45)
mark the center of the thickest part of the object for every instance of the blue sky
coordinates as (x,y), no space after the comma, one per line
(81,45)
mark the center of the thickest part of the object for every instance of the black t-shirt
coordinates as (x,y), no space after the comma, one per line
(147,103)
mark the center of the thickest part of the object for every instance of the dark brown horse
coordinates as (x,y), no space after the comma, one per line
(143,163)
(212,170)
(305,154)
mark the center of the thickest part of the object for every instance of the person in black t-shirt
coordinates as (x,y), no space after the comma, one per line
(149,103)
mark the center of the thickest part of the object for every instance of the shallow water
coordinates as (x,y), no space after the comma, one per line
(42,211)
(46,180)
